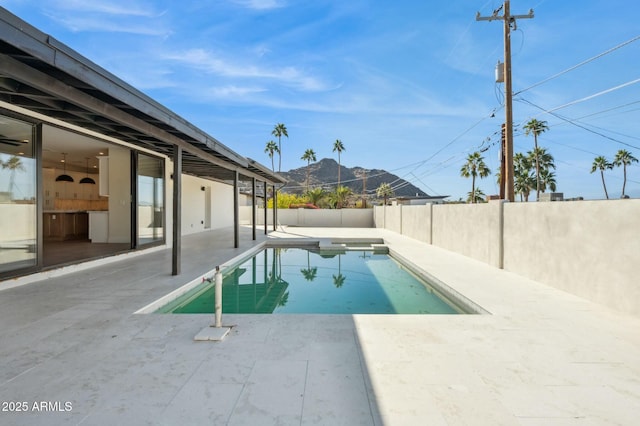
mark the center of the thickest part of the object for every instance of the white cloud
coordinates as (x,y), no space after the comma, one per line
(130,8)
(233,91)
(259,4)
(231,68)
(133,17)
(90,23)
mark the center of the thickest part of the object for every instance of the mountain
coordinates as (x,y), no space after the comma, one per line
(324,173)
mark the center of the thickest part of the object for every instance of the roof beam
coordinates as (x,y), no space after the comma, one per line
(47,84)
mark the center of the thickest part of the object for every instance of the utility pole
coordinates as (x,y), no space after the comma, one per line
(503,186)
(509,20)
(364,189)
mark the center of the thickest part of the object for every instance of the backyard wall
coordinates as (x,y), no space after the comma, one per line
(588,248)
(337,218)
(23,226)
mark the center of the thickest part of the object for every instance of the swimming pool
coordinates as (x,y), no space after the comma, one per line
(281,280)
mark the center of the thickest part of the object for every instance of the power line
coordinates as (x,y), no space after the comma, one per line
(577,124)
(610,109)
(597,113)
(579,65)
(595,95)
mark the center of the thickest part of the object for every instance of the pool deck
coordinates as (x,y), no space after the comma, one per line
(542,357)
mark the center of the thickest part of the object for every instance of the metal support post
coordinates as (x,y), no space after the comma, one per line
(218,296)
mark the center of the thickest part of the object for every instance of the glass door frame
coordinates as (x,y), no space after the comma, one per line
(36,137)
(135,238)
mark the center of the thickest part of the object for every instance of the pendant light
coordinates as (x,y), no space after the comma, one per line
(64,177)
(87,179)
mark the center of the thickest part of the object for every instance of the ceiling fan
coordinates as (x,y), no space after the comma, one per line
(9,141)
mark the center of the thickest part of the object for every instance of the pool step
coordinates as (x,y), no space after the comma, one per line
(375,245)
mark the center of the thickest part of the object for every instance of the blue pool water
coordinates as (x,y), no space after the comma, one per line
(294,280)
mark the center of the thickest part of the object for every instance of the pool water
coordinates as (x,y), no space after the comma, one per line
(295,280)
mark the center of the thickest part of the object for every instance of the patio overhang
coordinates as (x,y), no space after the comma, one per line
(42,75)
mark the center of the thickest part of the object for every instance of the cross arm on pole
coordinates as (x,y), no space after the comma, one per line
(498,17)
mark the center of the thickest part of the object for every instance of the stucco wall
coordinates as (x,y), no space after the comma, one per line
(393,218)
(351,218)
(193,204)
(588,248)
(357,218)
(469,229)
(416,222)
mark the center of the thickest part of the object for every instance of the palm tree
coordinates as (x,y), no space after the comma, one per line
(308,156)
(536,127)
(309,273)
(279,131)
(339,147)
(473,168)
(342,195)
(522,184)
(284,299)
(384,191)
(270,149)
(524,179)
(14,164)
(547,180)
(544,162)
(338,280)
(624,158)
(476,195)
(316,195)
(602,164)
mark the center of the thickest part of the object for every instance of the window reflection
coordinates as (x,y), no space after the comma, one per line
(150,199)
(18,213)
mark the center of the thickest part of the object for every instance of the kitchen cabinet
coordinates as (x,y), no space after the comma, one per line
(65,225)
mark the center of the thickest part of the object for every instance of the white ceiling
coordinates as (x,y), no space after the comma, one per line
(78,147)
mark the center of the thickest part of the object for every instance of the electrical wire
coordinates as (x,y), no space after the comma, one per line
(595,95)
(579,65)
(576,124)
(609,109)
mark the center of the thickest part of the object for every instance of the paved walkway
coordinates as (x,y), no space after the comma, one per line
(543,357)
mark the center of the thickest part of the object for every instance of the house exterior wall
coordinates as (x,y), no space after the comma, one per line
(193,204)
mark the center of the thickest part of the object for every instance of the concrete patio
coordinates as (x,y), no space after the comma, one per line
(542,357)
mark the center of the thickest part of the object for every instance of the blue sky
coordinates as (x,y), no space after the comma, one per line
(408,85)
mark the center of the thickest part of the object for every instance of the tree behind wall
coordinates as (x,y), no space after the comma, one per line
(474,167)
(624,158)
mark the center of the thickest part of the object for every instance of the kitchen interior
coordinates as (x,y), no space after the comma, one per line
(76,203)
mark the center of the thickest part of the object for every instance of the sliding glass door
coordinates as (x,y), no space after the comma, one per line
(18,196)
(150,196)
